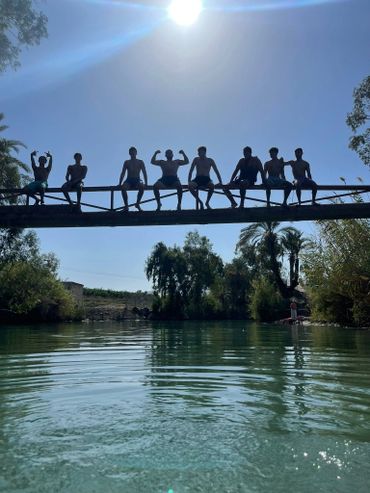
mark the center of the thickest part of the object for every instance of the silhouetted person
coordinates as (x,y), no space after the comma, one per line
(274,171)
(203,166)
(133,167)
(248,168)
(75,175)
(302,176)
(41,175)
(169,175)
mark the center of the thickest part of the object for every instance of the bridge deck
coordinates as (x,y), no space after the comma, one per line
(62,216)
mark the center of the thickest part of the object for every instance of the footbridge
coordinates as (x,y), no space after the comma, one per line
(336,202)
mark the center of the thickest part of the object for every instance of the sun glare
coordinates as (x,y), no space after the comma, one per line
(185,12)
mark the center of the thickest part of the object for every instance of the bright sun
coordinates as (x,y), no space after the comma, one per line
(185,12)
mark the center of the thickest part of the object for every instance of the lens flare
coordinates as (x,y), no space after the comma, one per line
(185,12)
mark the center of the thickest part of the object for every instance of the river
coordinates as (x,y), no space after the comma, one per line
(223,407)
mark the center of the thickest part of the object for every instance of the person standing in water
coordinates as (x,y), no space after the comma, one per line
(133,167)
(169,177)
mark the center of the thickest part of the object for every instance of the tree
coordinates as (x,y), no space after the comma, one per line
(293,242)
(20,25)
(337,272)
(357,120)
(182,277)
(266,238)
(12,170)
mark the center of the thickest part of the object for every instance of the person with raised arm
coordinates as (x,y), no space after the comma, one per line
(41,174)
(75,175)
(203,166)
(302,176)
(247,170)
(133,167)
(169,177)
(274,171)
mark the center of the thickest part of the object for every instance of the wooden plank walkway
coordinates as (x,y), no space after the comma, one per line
(65,216)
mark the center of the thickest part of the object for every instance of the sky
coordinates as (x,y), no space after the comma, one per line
(114,74)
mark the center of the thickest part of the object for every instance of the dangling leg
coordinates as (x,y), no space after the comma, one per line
(139,196)
(179,196)
(125,197)
(211,189)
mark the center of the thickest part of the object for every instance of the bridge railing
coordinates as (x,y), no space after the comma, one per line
(338,192)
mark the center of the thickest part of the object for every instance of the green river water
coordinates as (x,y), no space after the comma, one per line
(192,407)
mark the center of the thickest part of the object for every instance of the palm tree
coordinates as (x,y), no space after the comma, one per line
(11,169)
(293,241)
(269,239)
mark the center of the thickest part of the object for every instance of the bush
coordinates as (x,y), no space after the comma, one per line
(266,304)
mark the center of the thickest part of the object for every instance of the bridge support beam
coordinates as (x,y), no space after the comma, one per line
(65,216)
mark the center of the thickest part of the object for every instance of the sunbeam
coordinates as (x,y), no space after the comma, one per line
(253,6)
(61,67)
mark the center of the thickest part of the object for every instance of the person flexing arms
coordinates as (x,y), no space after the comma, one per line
(41,175)
(169,177)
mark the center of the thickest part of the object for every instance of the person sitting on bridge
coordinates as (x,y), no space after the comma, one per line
(248,169)
(169,175)
(41,175)
(274,170)
(302,176)
(133,167)
(75,175)
(203,166)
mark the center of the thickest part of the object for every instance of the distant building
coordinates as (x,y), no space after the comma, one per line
(76,290)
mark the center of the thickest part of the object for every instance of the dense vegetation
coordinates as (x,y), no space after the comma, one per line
(29,286)
(193,282)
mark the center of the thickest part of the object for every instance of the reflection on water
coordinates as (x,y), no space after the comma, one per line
(193,407)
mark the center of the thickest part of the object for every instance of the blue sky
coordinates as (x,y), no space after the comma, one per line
(259,73)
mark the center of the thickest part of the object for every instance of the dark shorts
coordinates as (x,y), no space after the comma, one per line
(276,182)
(169,181)
(37,186)
(69,185)
(245,181)
(133,182)
(305,183)
(202,181)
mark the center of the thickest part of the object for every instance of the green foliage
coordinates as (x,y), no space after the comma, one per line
(182,277)
(337,272)
(25,287)
(266,303)
(109,293)
(20,25)
(12,170)
(269,245)
(358,119)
